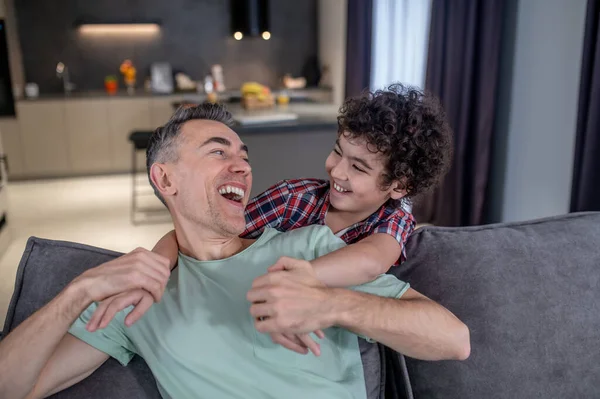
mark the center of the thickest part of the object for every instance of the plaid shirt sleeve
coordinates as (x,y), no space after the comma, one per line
(266,209)
(400,226)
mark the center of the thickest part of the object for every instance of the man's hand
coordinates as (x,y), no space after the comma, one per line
(288,303)
(137,278)
(107,309)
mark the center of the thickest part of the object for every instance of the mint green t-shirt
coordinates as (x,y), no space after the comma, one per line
(200,340)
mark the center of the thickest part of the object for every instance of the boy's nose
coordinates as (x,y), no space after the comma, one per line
(337,172)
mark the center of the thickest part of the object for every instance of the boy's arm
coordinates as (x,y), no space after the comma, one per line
(168,247)
(358,263)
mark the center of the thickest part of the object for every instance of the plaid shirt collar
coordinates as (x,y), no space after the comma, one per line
(323,204)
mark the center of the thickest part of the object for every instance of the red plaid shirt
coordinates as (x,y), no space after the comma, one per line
(291,204)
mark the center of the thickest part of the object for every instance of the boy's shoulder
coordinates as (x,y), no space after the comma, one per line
(304,186)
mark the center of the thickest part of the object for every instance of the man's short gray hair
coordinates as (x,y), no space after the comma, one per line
(163,144)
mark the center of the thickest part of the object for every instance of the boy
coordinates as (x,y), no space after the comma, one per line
(392,145)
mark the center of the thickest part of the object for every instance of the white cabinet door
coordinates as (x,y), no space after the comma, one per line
(44,137)
(88,135)
(124,116)
(13,149)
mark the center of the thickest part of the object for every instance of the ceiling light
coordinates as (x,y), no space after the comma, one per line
(238,35)
(108,29)
(266,35)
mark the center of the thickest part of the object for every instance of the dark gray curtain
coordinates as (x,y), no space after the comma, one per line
(462,70)
(585,194)
(358,46)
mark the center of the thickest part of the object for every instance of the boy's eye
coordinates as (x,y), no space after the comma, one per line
(337,152)
(246,160)
(359,169)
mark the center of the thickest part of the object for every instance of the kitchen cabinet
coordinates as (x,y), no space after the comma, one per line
(13,149)
(124,116)
(88,136)
(161,110)
(44,138)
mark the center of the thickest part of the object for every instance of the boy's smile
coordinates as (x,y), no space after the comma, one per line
(355,173)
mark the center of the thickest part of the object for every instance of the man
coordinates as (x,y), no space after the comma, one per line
(207,336)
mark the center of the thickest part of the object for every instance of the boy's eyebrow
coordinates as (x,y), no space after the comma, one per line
(223,141)
(355,159)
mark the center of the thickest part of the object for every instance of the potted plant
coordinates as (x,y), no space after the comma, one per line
(111,84)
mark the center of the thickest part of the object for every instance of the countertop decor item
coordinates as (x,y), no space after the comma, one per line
(111,85)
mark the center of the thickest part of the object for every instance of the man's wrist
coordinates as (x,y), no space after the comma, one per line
(77,295)
(339,307)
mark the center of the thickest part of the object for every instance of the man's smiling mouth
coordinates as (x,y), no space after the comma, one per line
(232,193)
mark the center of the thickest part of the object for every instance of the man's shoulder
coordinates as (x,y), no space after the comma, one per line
(311,232)
(310,236)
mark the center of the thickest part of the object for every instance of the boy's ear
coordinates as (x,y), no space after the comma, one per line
(398,191)
(159,173)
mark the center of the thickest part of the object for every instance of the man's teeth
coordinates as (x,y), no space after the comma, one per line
(231,189)
(340,189)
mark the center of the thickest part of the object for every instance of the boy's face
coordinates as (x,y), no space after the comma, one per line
(355,173)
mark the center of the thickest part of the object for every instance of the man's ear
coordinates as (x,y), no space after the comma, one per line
(398,191)
(159,173)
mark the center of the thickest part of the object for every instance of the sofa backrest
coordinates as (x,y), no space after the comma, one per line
(45,269)
(529,293)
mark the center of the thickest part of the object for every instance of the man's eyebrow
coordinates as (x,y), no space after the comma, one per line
(223,141)
(218,140)
(356,159)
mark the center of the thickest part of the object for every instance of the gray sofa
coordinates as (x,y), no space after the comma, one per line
(529,293)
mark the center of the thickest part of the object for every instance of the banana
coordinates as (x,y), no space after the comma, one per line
(253,88)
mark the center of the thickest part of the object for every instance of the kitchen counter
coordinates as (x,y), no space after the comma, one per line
(310,117)
(318,94)
(91,135)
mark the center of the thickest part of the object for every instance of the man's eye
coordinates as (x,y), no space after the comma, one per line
(246,160)
(359,169)
(218,152)
(337,152)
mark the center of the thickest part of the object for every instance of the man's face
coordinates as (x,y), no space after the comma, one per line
(212,177)
(355,173)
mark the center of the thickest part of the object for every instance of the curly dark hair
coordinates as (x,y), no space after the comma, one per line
(408,128)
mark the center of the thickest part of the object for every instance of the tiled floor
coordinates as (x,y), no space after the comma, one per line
(92,211)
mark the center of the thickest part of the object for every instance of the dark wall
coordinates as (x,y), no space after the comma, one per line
(194,35)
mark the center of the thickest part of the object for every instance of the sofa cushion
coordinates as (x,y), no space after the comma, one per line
(45,269)
(48,266)
(528,292)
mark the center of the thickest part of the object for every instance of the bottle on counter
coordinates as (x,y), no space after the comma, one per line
(209,89)
(217,75)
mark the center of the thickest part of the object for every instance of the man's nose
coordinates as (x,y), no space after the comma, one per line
(240,165)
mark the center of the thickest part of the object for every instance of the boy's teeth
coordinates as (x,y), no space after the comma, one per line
(338,188)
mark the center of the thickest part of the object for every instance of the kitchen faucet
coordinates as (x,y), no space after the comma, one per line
(62,72)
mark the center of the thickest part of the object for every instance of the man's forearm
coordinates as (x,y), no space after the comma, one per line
(25,351)
(416,326)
